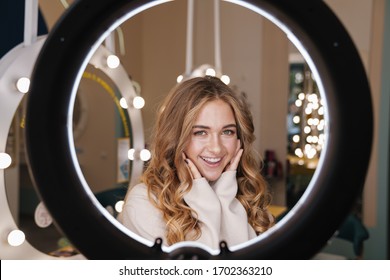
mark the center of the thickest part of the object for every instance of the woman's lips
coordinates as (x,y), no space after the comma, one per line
(212,161)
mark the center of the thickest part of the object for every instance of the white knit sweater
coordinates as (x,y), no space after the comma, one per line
(222,216)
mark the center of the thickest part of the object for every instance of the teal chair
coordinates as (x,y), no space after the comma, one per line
(354,231)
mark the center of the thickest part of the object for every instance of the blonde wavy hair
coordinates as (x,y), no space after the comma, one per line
(168,179)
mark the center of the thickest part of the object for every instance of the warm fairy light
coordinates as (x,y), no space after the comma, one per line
(16,238)
(138,102)
(321,125)
(23,84)
(5,160)
(296,119)
(321,139)
(311,153)
(312,98)
(210,72)
(298,152)
(179,78)
(119,206)
(299,78)
(225,79)
(123,103)
(131,154)
(145,155)
(296,138)
(113,61)
(298,103)
(307,129)
(308,110)
(301,96)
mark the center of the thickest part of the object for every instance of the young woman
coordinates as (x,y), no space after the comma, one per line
(203,181)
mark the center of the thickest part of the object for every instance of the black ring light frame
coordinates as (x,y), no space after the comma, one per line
(337,181)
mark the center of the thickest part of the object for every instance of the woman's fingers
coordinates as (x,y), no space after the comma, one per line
(235,161)
(192,168)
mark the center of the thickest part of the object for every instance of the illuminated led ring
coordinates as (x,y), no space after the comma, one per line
(339,178)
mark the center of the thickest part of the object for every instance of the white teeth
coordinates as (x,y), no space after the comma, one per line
(212,160)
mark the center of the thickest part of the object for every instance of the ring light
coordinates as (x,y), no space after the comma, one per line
(339,178)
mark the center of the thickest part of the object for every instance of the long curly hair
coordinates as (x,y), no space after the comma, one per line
(168,179)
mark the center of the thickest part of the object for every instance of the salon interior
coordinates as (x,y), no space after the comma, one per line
(152,51)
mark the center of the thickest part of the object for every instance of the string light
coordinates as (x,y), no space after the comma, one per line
(179,78)
(123,103)
(308,116)
(210,72)
(16,238)
(5,160)
(131,154)
(225,79)
(145,155)
(138,102)
(113,61)
(23,84)
(119,206)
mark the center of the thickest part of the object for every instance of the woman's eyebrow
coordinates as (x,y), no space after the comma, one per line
(207,127)
(230,125)
(201,126)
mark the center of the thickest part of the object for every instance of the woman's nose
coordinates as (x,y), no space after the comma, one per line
(215,145)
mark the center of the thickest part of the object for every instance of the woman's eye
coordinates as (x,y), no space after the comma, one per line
(228,132)
(200,133)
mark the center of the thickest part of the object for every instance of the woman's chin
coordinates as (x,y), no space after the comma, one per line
(212,177)
(212,173)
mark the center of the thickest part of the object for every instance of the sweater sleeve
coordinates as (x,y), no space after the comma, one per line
(141,216)
(234,224)
(203,200)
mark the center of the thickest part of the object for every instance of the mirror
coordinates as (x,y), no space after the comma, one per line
(28,212)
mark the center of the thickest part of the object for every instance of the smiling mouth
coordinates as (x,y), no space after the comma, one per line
(212,160)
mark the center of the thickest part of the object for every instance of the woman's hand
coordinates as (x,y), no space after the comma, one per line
(195,174)
(232,166)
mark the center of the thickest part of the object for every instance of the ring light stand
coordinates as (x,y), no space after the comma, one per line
(339,178)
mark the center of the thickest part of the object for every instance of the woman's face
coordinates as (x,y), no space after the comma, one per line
(213,141)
